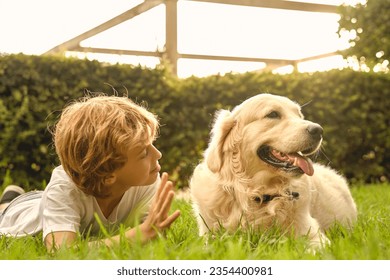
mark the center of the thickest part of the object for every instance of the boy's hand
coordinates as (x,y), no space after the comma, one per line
(158,219)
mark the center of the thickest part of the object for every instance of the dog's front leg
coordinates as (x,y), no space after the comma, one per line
(306,225)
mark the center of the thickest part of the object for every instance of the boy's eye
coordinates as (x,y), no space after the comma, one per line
(145,152)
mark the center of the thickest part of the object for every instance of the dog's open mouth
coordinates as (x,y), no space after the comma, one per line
(291,162)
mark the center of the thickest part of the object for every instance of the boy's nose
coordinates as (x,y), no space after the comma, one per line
(157,152)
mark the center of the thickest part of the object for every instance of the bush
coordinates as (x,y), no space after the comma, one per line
(351,106)
(33,90)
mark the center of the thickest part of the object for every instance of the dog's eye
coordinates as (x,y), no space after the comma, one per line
(273,115)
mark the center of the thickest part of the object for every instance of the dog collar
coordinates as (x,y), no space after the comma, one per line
(265,198)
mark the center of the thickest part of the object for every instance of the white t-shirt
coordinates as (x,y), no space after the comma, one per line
(64,207)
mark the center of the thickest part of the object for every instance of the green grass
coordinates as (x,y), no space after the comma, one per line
(369,240)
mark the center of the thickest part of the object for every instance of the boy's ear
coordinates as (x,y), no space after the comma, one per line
(109,180)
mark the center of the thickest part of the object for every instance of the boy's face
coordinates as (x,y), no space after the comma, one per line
(141,168)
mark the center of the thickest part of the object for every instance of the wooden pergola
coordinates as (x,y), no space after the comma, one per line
(171,52)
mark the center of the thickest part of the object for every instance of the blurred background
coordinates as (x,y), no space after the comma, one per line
(186,59)
(304,34)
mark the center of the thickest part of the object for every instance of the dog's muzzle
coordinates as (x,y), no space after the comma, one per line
(296,162)
(291,162)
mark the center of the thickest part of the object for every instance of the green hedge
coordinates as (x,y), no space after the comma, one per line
(351,106)
(34,89)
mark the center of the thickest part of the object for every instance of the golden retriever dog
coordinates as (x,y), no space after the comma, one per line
(256,172)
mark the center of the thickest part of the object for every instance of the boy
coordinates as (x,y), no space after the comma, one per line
(109,172)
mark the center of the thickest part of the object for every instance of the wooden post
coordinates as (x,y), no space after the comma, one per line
(171,34)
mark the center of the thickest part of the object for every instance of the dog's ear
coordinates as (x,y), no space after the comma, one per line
(223,124)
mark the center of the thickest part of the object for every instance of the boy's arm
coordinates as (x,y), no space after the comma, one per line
(157,221)
(158,218)
(59,238)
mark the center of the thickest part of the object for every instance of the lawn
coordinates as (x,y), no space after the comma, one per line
(369,240)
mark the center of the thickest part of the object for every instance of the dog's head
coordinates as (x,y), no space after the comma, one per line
(266,133)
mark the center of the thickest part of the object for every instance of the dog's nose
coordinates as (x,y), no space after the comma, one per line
(315,130)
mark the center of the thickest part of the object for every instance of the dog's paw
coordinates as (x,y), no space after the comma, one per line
(317,243)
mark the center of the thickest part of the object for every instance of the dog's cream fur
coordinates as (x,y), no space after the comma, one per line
(227,188)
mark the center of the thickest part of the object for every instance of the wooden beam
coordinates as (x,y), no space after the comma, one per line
(116,51)
(270,61)
(281,62)
(316,57)
(277,4)
(129,14)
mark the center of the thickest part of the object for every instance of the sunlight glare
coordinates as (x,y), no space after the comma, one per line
(203,28)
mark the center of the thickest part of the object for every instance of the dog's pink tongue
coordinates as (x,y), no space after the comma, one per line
(303,163)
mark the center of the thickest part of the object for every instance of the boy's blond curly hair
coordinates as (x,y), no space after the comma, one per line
(93,135)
